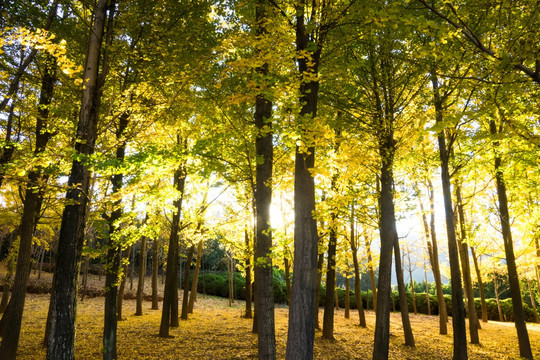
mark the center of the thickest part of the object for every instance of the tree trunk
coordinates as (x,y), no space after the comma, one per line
(371,272)
(122,288)
(301,332)
(31,207)
(142,275)
(403,304)
(71,238)
(533,302)
(185,295)
(10,269)
(513,279)
(466,269)
(428,300)
(434,259)
(458,310)
(496,288)
(155,268)
(357,289)
(480,286)
(328,317)
(388,239)
(264,293)
(347,295)
(288,279)
(194,282)
(230,268)
(171,279)
(249,312)
(411,281)
(320,263)
(131,269)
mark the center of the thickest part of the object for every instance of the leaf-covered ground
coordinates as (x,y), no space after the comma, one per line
(216,331)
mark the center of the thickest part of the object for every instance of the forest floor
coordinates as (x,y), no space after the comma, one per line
(217,331)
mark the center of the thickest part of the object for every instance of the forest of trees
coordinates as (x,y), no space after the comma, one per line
(338,141)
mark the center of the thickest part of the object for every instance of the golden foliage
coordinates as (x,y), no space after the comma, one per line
(216,331)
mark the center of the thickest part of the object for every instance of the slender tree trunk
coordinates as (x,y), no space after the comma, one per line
(113,299)
(195,281)
(513,279)
(155,268)
(458,310)
(403,304)
(357,289)
(123,280)
(434,258)
(428,300)
(371,272)
(347,295)
(533,302)
(230,268)
(185,295)
(466,269)
(264,292)
(388,239)
(142,275)
(336,296)
(10,269)
(131,269)
(249,312)
(411,281)
(328,317)
(320,263)
(31,207)
(70,242)
(301,332)
(496,288)
(171,279)
(480,286)
(288,279)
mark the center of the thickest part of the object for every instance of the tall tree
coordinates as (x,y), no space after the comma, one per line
(445,149)
(31,207)
(264,292)
(504,215)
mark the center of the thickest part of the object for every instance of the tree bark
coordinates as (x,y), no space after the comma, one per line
(466,269)
(357,289)
(496,289)
(301,332)
(513,279)
(70,242)
(441,304)
(249,312)
(320,263)
(328,317)
(142,275)
(458,310)
(347,295)
(113,300)
(371,272)
(195,281)
(171,278)
(403,304)
(533,302)
(155,268)
(31,207)
(264,293)
(185,295)
(480,286)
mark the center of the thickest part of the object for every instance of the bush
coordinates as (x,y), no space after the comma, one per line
(218,285)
